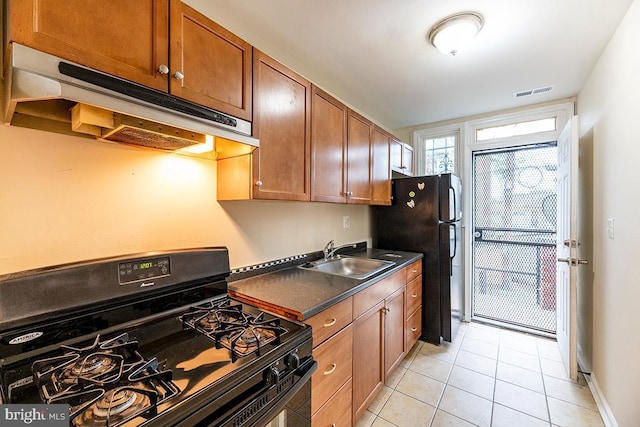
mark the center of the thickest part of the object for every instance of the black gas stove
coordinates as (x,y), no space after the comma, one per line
(150,339)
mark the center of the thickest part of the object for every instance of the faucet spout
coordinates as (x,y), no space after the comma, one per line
(330,253)
(328,249)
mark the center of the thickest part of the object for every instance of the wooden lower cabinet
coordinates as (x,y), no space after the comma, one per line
(359,342)
(368,356)
(331,385)
(413,329)
(394,331)
(413,305)
(334,359)
(337,411)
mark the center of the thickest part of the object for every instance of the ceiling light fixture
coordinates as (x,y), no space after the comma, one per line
(454,33)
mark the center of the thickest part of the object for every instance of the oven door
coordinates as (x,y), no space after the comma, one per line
(294,410)
(263,400)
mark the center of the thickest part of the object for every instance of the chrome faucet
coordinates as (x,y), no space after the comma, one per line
(330,249)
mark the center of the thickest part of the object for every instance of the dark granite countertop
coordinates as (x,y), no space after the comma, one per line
(299,293)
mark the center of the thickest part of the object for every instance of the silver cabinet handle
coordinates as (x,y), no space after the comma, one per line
(259,183)
(163,69)
(178,75)
(564,260)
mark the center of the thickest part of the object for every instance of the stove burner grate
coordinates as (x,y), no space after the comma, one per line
(229,326)
(106,383)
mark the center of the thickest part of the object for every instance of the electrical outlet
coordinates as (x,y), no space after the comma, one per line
(610,228)
(346,222)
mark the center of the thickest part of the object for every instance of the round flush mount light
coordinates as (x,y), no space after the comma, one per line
(454,33)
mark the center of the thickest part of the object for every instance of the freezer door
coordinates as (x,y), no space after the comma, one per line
(450,191)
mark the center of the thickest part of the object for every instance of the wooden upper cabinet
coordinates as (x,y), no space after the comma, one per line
(359,131)
(281,120)
(132,39)
(125,38)
(380,167)
(215,65)
(328,148)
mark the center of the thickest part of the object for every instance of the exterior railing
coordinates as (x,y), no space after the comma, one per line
(503,256)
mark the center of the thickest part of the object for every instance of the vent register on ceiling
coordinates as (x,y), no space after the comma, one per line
(48,93)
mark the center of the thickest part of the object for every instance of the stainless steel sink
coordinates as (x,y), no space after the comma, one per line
(354,267)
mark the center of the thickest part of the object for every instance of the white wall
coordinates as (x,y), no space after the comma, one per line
(64,199)
(609,112)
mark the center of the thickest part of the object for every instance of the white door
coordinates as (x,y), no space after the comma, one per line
(567,247)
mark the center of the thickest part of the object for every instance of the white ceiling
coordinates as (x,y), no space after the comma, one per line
(375,56)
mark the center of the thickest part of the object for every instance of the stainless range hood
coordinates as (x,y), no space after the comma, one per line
(48,93)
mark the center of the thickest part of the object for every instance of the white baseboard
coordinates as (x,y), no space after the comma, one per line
(605,411)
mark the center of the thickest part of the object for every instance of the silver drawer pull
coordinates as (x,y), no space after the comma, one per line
(330,322)
(415,270)
(414,329)
(330,370)
(414,296)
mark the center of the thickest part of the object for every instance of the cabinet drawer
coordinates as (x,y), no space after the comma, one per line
(331,320)
(337,411)
(414,270)
(414,295)
(413,329)
(334,359)
(364,300)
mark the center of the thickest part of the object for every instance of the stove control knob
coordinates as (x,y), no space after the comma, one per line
(271,375)
(292,361)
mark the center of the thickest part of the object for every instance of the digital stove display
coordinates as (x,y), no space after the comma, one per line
(143,269)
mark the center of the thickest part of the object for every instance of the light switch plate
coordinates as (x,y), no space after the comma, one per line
(610,228)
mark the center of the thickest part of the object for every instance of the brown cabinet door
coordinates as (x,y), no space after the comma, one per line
(394,331)
(368,358)
(334,359)
(128,39)
(358,158)
(413,329)
(328,148)
(380,168)
(214,65)
(281,120)
(337,411)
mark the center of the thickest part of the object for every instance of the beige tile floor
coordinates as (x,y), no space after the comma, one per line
(487,376)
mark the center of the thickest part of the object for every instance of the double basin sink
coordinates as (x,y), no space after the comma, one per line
(347,266)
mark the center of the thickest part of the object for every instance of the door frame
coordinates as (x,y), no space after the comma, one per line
(562,112)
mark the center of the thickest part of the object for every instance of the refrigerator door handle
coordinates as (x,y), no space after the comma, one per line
(455,239)
(455,205)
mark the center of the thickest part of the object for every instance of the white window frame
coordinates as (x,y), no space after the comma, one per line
(420,136)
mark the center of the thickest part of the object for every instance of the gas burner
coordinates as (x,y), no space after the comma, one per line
(96,367)
(249,336)
(116,406)
(209,316)
(106,383)
(233,328)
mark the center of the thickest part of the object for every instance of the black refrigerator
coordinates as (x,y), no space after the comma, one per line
(425,216)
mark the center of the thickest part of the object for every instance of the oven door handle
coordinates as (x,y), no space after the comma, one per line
(306,371)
